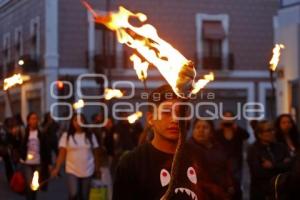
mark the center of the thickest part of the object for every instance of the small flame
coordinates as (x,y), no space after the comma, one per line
(60,84)
(276,56)
(175,68)
(35,181)
(79,104)
(140,67)
(112,93)
(134,117)
(203,82)
(14,80)
(30,156)
(21,62)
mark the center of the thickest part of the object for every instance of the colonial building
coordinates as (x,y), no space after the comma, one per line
(286,25)
(233,39)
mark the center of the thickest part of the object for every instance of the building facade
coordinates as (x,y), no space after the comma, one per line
(233,39)
(287,32)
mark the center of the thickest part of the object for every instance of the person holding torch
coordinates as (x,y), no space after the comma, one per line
(35,153)
(145,172)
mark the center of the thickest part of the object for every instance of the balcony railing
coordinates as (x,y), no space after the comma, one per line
(32,64)
(102,62)
(216,63)
(211,62)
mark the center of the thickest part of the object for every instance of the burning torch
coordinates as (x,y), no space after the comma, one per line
(272,68)
(174,67)
(35,183)
(134,117)
(112,93)
(140,69)
(16,79)
(78,104)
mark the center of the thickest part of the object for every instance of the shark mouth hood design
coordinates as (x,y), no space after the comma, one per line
(185,192)
(181,193)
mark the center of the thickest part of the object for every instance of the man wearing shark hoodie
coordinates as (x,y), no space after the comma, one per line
(145,172)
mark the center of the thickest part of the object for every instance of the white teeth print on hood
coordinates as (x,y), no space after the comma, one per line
(192,177)
(188,192)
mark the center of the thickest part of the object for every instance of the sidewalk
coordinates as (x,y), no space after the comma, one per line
(56,191)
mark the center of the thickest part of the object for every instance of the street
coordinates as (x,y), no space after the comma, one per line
(57,189)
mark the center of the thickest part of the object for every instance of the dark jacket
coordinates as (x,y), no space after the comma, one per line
(45,152)
(286,186)
(260,176)
(50,130)
(217,163)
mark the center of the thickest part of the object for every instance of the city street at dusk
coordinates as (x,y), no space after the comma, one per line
(149,100)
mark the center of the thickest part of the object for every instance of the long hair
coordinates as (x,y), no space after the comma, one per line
(71,131)
(293,133)
(28,117)
(46,118)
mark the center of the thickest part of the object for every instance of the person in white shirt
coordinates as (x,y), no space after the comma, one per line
(35,154)
(80,150)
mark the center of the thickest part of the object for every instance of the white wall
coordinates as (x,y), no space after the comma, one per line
(286,27)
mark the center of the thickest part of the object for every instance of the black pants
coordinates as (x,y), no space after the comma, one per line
(8,167)
(28,171)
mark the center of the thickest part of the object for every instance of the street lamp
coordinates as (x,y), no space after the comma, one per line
(21,62)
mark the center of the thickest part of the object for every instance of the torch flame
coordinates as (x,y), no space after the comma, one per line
(14,80)
(203,82)
(175,68)
(134,117)
(276,56)
(35,181)
(30,156)
(60,84)
(140,67)
(79,104)
(112,93)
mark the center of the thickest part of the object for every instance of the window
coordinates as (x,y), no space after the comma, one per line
(34,100)
(105,49)
(18,44)
(35,38)
(212,42)
(6,53)
(212,37)
(104,52)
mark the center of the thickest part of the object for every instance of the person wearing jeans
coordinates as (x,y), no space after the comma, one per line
(76,185)
(35,154)
(79,148)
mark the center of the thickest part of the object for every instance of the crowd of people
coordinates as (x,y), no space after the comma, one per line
(140,159)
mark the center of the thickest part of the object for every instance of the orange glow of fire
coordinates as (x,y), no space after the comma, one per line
(16,79)
(60,84)
(175,68)
(134,117)
(112,93)
(35,181)
(203,82)
(79,104)
(140,67)
(30,156)
(276,56)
